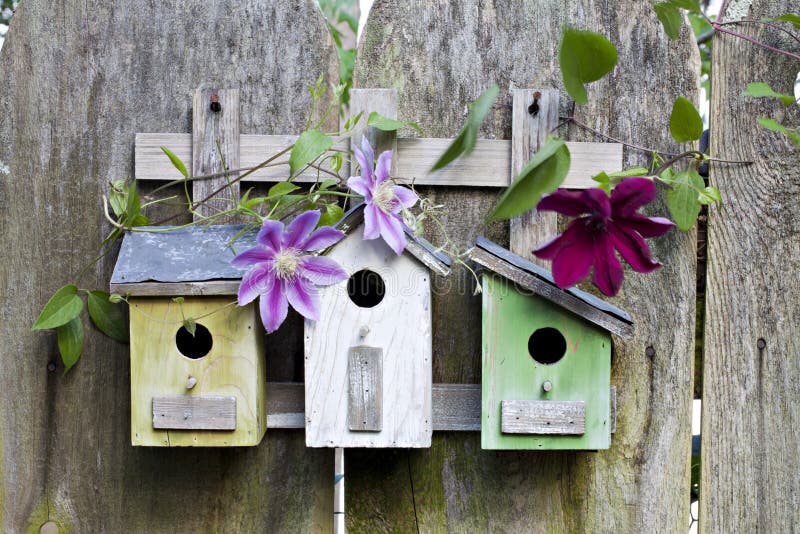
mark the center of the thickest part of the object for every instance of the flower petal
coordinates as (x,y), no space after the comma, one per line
(361,186)
(405,196)
(322,238)
(321,271)
(303,297)
(254,283)
(598,202)
(253,256)
(565,202)
(299,228)
(631,194)
(371,214)
(273,306)
(632,248)
(366,160)
(646,226)
(608,273)
(549,249)
(392,232)
(270,234)
(384,167)
(573,262)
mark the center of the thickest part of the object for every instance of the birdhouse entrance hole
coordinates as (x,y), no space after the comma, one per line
(194,346)
(547,345)
(366,288)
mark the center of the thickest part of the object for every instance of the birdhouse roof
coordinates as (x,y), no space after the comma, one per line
(417,246)
(529,276)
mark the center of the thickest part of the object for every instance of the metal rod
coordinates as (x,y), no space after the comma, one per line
(338,491)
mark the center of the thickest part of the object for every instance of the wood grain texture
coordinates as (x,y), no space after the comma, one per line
(400,325)
(79,79)
(194,412)
(543,417)
(215,149)
(440,56)
(171,289)
(750,480)
(365,389)
(489,165)
(528,134)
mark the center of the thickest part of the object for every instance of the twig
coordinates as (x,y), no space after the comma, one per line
(765,23)
(719,27)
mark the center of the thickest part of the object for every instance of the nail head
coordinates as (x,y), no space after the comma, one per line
(761,343)
(650,352)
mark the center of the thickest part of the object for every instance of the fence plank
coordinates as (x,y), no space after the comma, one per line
(750,480)
(72,102)
(441,55)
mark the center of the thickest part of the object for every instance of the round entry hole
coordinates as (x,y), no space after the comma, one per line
(547,345)
(194,346)
(366,288)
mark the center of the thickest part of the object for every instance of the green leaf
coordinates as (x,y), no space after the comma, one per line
(116,197)
(327,184)
(584,57)
(763,90)
(115,298)
(335,162)
(775,126)
(352,121)
(685,123)
(309,146)
(330,215)
(108,317)
(468,136)
(176,161)
(633,171)
(604,181)
(386,124)
(792,18)
(281,189)
(190,325)
(544,173)
(133,206)
(178,300)
(710,195)
(691,5)
(670,18)
(682,199)
(64,306)
(70,342)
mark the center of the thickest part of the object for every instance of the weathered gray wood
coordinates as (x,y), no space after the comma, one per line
(79,79)
(365,389)
(414,158)
(177,289)
(441,55)
(194,412)
(612,424)
(750,480)
(528,134)
(338,491)
(543,417)
(215,148)
(383,101)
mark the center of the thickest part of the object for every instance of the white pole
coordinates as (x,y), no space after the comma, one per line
(338,491)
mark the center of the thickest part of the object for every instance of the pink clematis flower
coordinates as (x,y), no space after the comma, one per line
(384,200)
(607,224)
(280,273)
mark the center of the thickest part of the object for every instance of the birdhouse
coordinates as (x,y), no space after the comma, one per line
(546,374)
(368,374)
(198,389)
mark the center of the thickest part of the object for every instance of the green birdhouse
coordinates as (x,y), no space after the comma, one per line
(546,358)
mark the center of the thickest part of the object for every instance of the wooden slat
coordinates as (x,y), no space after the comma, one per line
(456,407)
(215,148)
(612,409)
(194,412)
(174,289)
(383,101)
(365,389)
(543,417)
(528,134)
(415,156)
(552,293)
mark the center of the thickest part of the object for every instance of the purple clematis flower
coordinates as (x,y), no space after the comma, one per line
(384,200)
(280,273)
(607,224)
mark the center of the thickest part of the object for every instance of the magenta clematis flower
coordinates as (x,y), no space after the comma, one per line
(607,224)
(384,200)
(280,273)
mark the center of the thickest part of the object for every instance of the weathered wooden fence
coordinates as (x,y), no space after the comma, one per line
(79,79)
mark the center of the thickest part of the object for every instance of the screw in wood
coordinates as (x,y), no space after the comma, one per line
(761,343)
(190,382)
(363,331)
(51,367)
(216,107)
(650,352)
(547,386)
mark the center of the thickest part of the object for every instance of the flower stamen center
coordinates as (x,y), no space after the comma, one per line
(286,263)
(384,197)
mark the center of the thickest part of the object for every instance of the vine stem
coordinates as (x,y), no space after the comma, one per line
(763,22)
(720,28)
